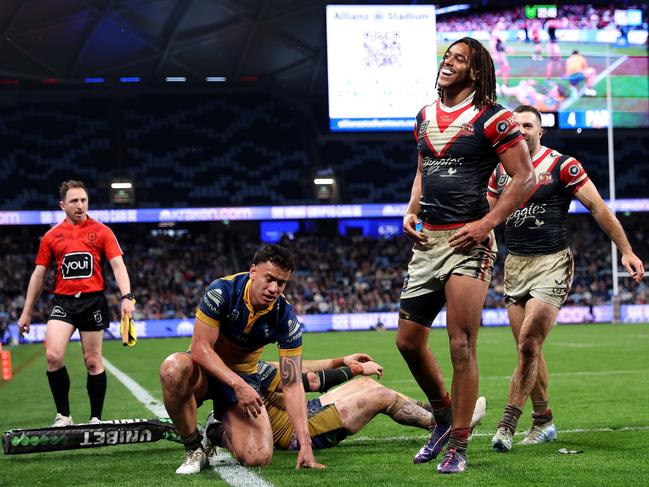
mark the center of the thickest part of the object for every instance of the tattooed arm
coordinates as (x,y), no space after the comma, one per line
(290,369)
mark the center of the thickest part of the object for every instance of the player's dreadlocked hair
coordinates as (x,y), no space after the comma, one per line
(481,64)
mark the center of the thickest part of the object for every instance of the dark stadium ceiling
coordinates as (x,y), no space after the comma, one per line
(272,42)
(279,41)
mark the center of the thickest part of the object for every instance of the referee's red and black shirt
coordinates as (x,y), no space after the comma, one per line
(78,251)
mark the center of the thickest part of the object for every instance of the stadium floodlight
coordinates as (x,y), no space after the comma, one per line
(115,185)
(328,181)
(325,186)
(122,192)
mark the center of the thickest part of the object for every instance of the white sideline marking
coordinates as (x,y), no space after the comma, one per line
(367,439)
(223,463)
(141,394)
(552,374)
(580,345)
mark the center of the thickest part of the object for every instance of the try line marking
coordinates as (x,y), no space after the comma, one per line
(223,463)
(552,375)
(390,439)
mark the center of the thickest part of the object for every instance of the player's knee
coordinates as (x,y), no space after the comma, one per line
(529,345)
(408,347)
(175,371)
(93,362)
(54,359)
(252,458)
(462,351)
(384,395)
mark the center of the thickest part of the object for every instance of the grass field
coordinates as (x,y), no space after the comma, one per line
(599,391)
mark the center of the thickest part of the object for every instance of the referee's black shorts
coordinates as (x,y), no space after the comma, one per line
(88,312)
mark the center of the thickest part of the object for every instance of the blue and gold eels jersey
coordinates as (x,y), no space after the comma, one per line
(244,332)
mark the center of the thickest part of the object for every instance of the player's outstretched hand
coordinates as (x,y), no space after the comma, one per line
(356,357)
(633,266)
(305,459)
(372,368)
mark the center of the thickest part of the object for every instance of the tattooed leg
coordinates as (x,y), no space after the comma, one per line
(358,401)
(406,411)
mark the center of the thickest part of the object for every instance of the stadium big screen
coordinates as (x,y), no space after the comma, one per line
(584,65)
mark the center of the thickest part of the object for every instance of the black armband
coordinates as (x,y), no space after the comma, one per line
(332,377)
(305,382)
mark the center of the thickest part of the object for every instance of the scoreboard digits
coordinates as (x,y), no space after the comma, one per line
(587,119)
(541,11)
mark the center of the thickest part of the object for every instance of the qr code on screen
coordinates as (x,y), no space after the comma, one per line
(382,49)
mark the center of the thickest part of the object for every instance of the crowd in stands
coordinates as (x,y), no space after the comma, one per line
(345,274)
(170,269)
(570,16)
(183,150)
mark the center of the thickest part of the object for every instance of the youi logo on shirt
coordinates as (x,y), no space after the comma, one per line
(77,265)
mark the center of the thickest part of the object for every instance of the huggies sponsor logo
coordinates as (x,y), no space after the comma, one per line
(532,211)
(432,165)
(77,265)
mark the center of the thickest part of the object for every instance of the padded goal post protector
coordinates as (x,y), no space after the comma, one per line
(106,433)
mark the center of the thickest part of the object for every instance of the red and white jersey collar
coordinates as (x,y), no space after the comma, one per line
(463,104)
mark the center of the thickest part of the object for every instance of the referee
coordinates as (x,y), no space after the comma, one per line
(77,246)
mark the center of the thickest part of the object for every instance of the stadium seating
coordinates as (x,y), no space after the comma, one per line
(170,268)
(202,150)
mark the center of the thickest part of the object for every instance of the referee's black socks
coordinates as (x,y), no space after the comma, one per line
(60,386)
(96,386)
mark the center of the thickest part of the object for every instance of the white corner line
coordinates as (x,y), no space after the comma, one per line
(222,464)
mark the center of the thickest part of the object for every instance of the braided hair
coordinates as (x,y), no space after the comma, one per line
(481,64)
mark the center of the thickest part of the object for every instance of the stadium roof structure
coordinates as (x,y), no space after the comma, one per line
(69,41)
(239,42)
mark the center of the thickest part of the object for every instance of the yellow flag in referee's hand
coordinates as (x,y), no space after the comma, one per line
(127,330)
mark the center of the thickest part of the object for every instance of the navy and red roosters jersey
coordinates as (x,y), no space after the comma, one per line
(460,148)
(539,226)
(78,251)
(242,331)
